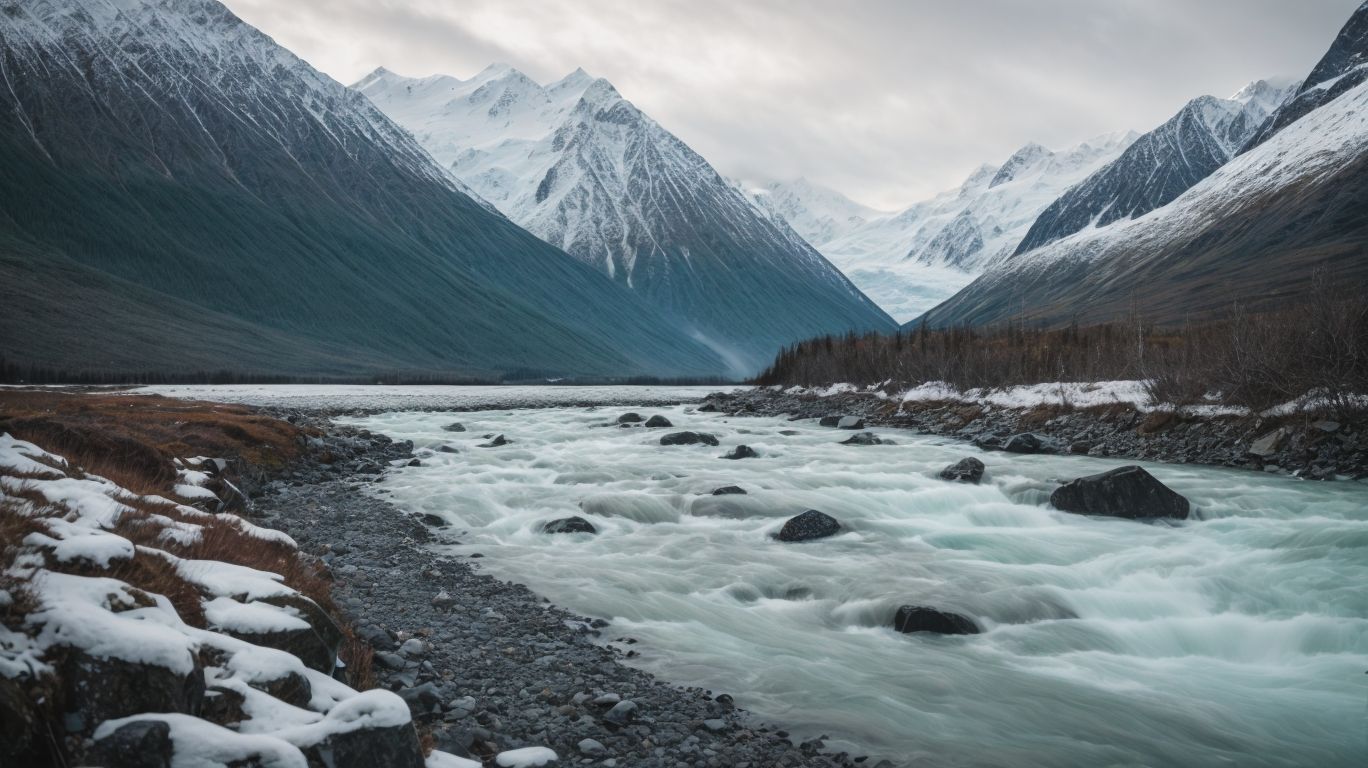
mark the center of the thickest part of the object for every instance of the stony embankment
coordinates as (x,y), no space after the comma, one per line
(485,665)
(1311,446)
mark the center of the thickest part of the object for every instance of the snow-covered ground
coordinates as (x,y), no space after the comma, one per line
(81,525)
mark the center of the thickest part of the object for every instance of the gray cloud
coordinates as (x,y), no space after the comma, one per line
(888,101)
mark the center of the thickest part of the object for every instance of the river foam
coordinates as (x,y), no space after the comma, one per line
(1237,638)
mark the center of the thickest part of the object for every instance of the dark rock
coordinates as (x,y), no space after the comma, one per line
(455,427)
(1269,444)
(316,645)
(99,689)
(291,688)
(1027,442)
(808,526)
(415,462)
(436,521)
(863,438)
(1080,447)
(569,525)
(688,438)
(658,421)
(139,744)
(708,408)
(829,421)
(19,721)
(496,442)
(916,618)
(966,470)
(223,706)
(728,490)
(392,747)
(1128,492)
(741,452)
(422,699)
(446,449)
(850,422)
(630,418)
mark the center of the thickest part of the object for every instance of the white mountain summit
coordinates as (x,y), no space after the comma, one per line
(585,170)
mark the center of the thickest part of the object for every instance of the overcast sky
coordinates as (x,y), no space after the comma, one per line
(888,101)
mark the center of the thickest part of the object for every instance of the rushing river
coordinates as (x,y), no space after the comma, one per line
(1236,639)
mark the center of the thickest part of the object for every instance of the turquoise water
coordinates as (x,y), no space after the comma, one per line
(1236,639)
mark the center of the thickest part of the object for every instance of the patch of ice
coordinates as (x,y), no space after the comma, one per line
(527,757)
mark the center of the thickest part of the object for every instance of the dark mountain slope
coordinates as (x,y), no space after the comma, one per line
(167,144)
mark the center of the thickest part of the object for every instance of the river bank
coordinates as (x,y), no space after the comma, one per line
(485,664)
(1299,444)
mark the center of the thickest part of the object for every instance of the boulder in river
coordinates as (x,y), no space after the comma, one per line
(863,438)
(728,490)
(630,418)
(808,526)
(569,525)
(966,470)
(1128,492)
(829,421)
(496,442)
(917,618)
(688,438)
(741,452)
(455,426)
(850,422)
(658,421)
(1027,442)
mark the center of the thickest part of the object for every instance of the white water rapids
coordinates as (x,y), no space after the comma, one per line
(1236,639)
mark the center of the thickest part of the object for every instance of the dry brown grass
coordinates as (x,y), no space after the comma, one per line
(359,658)
(131,439)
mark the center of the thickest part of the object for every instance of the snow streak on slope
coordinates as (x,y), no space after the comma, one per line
(1255,227)
(1160,165)
(585,170)
(912,260)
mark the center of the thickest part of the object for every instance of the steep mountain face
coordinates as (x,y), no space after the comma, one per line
(912,260)
(818,214)
(1255,230)
(585,170)
(1341,69)
(162,156)
(1159,166)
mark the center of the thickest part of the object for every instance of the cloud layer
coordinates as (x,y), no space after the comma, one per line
(888,101)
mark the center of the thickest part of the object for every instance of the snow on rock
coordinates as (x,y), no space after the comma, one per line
(122,631)
(527,757)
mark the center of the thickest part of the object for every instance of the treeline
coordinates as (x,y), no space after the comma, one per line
(14,373)
(1317,342)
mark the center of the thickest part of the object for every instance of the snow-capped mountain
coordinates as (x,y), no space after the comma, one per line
(912,260)
(224,203)
(584,169)
(1256,229)
(1160,165)
(1342,68)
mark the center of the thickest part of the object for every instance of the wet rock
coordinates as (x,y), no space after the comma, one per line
(1128,492)
(916,618)
(688,438)
(496,442)
(850,422)
(728,490)
(622,713)
(658,421)
(455,426)
(434,521)
(630,418)
(1028,442)
(446,449)
(741,452)
(863,438)
(1327,426)
(390,746)
(569,525)
(415,463)
(443,600)
(140,744)
(829,421)
(315,645)
(1268,444)
(591,748)
(966,470)
(1080,447)
(422,699)
(808,526)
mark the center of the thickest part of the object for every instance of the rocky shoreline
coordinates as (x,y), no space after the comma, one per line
(1302,445)
(486,665)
